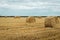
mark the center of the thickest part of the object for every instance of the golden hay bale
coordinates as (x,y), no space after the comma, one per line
(30,19)
(39,17)
(5,16)
(17,17)
(50,21)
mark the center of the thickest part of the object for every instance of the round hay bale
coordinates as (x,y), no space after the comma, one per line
(17,17)
(51,21)
(31,19)
(39,17)
(5,16)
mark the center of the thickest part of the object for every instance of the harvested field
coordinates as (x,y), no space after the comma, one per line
(17,29)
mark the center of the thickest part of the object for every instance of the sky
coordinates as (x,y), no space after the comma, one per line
(29,7)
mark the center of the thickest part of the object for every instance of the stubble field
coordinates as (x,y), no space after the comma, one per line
(18,29)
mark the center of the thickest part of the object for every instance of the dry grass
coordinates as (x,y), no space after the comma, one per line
(16,29)
(30,34)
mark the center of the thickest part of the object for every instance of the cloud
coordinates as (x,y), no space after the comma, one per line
(11,6)
(31,5)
